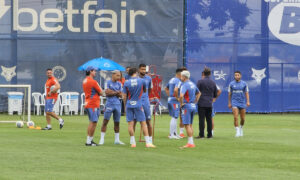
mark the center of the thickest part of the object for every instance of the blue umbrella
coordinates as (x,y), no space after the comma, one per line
(102,64)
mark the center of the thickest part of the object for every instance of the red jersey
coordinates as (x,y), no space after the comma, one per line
(92,90)
(49,83)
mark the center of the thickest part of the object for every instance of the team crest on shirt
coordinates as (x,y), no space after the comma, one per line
(8,73)
(258,75)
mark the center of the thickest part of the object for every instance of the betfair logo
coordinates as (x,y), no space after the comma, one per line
(117,22)
(284,22)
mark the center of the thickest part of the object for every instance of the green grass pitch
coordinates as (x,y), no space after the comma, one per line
(270,149)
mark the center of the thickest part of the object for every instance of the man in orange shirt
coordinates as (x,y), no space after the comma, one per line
(92,92)
(52,88)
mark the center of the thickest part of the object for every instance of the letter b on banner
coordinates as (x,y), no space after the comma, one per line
(290,20)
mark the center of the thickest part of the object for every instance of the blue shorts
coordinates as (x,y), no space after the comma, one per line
(187,115)
(49,105)
(173,109)
(239,106)
(135,114)
(93,114)
(147,111)
(213,112)
(114,109)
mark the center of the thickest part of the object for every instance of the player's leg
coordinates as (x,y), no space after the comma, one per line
(235,112)
(243,118)
(134,124)
(49,113)
(201,114)
(107,115)
(172,121)
(187,115)
(130,121)
(93,114)
(140,117)
(213,113)
(147,113)
(208,112)
(117,117)
(181,125)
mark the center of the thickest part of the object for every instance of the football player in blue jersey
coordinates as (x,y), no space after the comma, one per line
(173,102)
(133,90)
(238,101)
(145,97)
(189,96)
(113,106)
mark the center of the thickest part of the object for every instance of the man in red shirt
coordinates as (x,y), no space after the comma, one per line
(52,88)
(92,92)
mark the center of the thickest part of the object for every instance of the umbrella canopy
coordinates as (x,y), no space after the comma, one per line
(102,64)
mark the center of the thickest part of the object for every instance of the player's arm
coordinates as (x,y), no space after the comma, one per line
(56,88)
(124,95)
(218,92)
(150,87)
(176,89)
(198,94)
(229,99)
(247,96)
(98,89)
(144,87)
(167,91)
(110,93)
(119,93)
(181,99)
(182,92)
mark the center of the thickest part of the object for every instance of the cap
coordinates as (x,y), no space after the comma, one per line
(90,68)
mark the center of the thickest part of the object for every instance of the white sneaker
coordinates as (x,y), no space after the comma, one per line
(241,132)
(119,143)
(173,137)
(101,142)
(237,134)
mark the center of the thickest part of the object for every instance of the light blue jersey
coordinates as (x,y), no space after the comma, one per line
(238,90)
(115,86)
(189,89)
(148,82)
(134,90)
(172,84)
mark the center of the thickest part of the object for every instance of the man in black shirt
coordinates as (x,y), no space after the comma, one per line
(208,89)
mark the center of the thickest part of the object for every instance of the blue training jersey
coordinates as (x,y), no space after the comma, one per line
(148,81)
(115,86)
(189,89)
(134,90)
(127,76)
(172,84)
(238,90)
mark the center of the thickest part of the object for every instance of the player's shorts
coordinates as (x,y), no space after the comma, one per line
(93,114)
(173,109)
(49,105)
(239,106)
(135,114)
(213,112)
(147,111)
(114,109)
(187,114)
